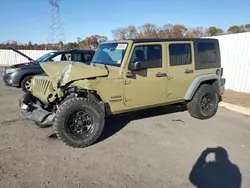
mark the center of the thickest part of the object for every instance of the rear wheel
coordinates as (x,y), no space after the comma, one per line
(79,122)
(26,84)
(204,104)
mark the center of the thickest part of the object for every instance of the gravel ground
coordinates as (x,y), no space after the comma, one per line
(237,98)
(155,148)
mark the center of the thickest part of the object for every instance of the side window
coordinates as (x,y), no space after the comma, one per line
(76,57)
(62,57)
(180,54)
(57,58)
(82,57)
(67,57)
(149,55)
(206,52)
(87,57)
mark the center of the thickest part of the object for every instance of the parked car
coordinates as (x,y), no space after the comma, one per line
(19,75)
(126,76)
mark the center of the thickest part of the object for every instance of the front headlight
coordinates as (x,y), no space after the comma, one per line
(12,70)
(9,71)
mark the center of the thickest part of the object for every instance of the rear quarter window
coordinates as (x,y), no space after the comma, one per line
(207,54)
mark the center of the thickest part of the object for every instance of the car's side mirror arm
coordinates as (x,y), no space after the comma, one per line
(136,66)
(129,75)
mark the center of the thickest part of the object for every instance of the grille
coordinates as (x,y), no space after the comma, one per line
(41,85)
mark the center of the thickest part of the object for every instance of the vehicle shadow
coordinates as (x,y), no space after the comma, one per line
(115,123)
(220,173)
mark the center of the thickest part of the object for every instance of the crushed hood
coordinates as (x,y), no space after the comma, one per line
(72,70)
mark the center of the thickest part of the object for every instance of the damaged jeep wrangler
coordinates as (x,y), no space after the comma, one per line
(125,76)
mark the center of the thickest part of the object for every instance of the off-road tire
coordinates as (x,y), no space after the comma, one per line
(73,105)
(65,99)
(194,106)
(23,82)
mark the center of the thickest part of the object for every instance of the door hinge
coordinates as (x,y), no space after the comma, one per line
(127,99)
(126,82)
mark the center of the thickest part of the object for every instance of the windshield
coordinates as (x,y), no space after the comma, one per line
(44,57)
(110,54)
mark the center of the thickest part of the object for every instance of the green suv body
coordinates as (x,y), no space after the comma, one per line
(125,76)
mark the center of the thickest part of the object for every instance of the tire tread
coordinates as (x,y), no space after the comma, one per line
(66,107)
(193,105)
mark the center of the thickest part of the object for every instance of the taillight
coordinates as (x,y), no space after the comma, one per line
(219,72)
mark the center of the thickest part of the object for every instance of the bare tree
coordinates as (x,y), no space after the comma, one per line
(148,30)
(197,32)
(119,33)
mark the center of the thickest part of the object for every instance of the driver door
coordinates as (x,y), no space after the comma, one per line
(148,86)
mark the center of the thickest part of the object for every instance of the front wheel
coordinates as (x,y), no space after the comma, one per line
(79,122)
(26,84)
(204,104)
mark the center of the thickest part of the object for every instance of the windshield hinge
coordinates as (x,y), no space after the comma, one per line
(126,82)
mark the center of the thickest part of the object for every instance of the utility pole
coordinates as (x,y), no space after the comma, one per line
(56,33)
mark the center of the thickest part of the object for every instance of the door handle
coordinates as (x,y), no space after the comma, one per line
(188,71)
(159,74)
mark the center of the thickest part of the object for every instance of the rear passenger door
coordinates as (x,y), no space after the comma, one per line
(180,68)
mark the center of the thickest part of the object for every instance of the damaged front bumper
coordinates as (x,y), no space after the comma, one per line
(31,109)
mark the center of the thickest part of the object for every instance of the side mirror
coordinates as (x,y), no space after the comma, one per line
(136,66)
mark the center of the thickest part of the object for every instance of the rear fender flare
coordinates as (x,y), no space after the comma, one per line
(198,81)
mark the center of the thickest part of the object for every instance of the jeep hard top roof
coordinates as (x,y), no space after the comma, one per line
(198,63)
(162,40)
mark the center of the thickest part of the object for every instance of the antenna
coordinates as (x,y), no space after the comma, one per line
(56,32)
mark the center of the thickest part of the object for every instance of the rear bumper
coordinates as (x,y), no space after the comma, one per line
(222,86)
(32,110)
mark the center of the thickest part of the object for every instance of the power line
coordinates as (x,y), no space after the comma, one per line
(56,32)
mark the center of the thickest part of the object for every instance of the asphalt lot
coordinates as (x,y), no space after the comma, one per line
(156,148)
